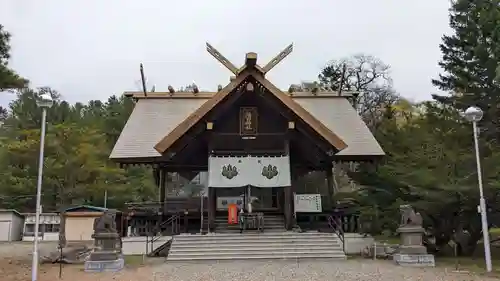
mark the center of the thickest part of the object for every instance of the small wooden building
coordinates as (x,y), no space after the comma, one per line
(79,222)
(11,225)
(252,138)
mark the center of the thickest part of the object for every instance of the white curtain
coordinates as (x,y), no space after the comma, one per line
(249,170)
(227,172)
(269,171)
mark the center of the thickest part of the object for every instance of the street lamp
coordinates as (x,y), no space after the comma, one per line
(45,101)
(474,115)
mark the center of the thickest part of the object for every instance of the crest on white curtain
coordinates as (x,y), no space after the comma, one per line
(249,170)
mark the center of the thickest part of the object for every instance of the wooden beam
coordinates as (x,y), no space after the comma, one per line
(223,60)
(251,59)
(197,115)
(323,145)
(208,95)
(277,59)
(167,95)
(83,214)
(226,105)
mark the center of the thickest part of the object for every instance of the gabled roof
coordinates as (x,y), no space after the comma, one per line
(12,211)
(87,208)
(160,119)
(201,112)
(152,118)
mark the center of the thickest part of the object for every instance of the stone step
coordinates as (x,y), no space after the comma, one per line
(244,236)
(235,226)
(273,218)
(256,255)
(256,248)
(270,244)
(248,246)
(221,243)
(259,257)
(265,223)
(265,219)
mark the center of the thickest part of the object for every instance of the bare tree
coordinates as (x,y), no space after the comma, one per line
(369,77)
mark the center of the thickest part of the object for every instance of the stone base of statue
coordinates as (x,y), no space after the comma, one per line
(415,260)
(412,252)
(107,256)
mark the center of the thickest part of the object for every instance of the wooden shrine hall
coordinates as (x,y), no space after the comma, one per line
(253,140)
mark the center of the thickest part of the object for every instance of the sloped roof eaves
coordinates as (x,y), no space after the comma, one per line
(193,118)
(331,136)
(152,119)
(12,211)
(88,207)
(149,122)
(340,117)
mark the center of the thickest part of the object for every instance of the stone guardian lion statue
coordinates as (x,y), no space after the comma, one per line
(409,217)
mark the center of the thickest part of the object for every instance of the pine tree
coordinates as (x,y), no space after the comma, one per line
(8,78)
(471,56)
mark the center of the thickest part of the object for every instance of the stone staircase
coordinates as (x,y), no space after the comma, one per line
(272,223)
(246,246)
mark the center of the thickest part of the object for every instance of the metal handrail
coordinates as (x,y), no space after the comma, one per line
(336,226)
(173,221)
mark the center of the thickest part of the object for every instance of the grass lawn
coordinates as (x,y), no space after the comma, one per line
(135,260)
(470,264)
(474,264)
(387,239)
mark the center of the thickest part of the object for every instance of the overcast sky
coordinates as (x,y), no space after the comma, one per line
(91,49)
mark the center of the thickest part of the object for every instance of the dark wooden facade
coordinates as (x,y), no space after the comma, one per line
(249,116)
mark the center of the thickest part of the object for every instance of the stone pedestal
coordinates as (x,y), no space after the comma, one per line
(412,252)
(415,260)
(107,255)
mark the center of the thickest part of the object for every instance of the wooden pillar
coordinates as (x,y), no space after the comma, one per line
(211,208)
(163,190)
(330,184)
(287,192)
(288,207)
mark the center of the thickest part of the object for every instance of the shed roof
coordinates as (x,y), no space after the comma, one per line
(87,208)
(12,211)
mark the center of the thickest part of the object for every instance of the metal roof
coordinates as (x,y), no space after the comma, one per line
(340,117)
(152,119)
(149,122)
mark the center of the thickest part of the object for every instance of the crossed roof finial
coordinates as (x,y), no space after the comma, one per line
(250,60)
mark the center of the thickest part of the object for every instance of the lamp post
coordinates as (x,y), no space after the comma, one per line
(474,115)
(44,102)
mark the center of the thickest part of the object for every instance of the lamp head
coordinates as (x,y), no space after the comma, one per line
(45,101)
(473,114)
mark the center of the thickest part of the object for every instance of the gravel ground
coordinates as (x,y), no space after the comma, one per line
(15,266)
(251,271)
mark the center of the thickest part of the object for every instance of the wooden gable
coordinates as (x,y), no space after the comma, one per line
(250,69)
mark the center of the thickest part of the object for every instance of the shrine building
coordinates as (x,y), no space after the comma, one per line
(252,140)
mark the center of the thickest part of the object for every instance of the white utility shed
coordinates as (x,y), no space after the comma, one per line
(11,225)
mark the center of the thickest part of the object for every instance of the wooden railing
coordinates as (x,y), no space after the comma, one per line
(348,221)
(170,205)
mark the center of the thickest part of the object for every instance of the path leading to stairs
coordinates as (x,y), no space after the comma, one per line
(352,270)
(15,266)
